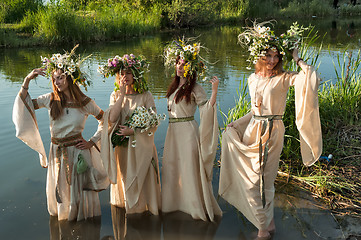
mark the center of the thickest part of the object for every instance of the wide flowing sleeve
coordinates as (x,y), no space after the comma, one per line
(307,114)
(26,124)
(107,152)
(208,129)
(208,142)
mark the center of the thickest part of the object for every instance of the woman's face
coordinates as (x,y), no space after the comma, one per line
(180,68)
(59,78)
(271,59)
(126,77)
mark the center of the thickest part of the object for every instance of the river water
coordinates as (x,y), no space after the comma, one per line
(23,212)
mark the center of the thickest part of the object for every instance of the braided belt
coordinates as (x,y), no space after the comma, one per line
(183,119)
(267,122)
(61,150)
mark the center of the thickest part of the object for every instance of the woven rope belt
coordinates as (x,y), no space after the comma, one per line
(183,119)
(267,122)
(61,150)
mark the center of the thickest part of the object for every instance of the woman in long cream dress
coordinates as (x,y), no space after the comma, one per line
(134,172)
(189,150)
(251,145)
(75,170)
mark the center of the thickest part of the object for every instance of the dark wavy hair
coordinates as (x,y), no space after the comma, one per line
(186,89)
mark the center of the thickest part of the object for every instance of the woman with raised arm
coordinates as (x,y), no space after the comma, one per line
(128,141)
(251,145)
(189,150)
(75,170)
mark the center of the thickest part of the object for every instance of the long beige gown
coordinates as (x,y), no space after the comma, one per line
(134,173)
(188,158)
(69,193)
(240,177)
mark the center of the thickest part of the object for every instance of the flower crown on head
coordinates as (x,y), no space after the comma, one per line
(69,63)
(189,52)
(137,64)
(260,38)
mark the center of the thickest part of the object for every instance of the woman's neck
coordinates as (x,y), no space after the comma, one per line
(182,80)
(68,96)
(129,90)
(265,73)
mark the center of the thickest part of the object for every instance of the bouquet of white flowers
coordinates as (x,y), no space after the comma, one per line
(141,118)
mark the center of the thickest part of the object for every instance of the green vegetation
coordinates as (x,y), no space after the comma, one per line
(335,181)
(67,21)
(12,11)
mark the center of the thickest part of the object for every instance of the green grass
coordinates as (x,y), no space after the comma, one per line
(94,20)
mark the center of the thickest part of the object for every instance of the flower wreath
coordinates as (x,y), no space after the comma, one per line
(69,63)
(137,64)
(189,53)
(260,38)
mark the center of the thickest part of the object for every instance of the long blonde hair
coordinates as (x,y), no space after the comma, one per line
(58,100)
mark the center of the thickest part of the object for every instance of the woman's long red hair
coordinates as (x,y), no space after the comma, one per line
(185,91)
(58,100)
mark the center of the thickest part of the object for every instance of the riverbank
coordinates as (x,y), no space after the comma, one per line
(67,21)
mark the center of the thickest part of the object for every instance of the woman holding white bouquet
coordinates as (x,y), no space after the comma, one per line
(189,150)
(251,145)
(128,141)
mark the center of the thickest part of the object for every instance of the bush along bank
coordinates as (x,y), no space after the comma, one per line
(68,21)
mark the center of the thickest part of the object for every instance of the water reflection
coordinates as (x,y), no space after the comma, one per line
(135,226)
(178,225)
(88,229)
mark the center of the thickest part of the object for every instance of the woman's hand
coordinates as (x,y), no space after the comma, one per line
(122,85)
(33,74)
(295,54)
(215,82)
(84,144)
(36,72)
(124,131)
(231,124)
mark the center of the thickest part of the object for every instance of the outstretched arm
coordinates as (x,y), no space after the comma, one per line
(298,60)
(215,82)
(33,74)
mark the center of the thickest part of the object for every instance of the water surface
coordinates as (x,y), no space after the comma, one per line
(23,213)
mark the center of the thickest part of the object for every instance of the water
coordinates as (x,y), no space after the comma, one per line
(23,213)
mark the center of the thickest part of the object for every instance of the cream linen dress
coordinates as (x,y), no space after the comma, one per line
(134,171)
(240,166)
(70,195)
(188,158)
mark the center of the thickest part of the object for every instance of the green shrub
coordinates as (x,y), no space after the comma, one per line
(350,10)
(308,8)
(186,13)
(30,22)
(59,24)
(14,10)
